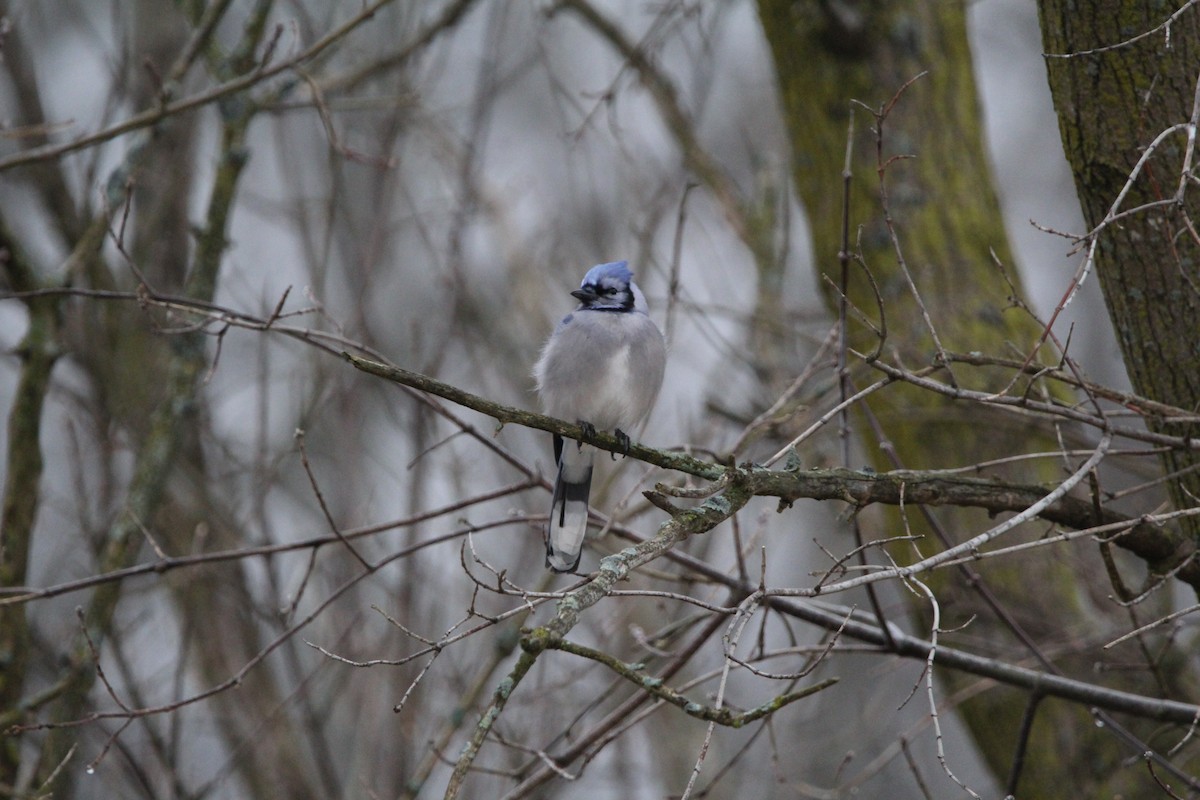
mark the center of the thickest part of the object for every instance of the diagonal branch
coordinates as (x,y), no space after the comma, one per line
(861,626)
(505,414)
(152,116)
(1163,549)
(613,569)
(655,686)
(666,98)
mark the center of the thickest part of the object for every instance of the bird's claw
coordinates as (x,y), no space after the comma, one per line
(623,442)
(589,430)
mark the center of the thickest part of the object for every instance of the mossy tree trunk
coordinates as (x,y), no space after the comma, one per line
(149,387)
(951,234)
(1111,105)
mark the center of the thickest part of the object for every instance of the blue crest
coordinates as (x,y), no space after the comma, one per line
(614,269)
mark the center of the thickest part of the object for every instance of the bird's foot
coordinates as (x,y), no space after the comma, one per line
(623,441)
(588,428)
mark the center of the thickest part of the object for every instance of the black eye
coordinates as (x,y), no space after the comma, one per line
(610,291)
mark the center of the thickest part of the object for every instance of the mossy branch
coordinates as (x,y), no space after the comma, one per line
(506,414)
(1163,548)
(635,674)
(613,569)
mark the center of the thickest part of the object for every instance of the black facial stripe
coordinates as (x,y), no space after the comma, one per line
(606,296)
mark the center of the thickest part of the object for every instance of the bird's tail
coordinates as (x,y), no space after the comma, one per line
(569,509)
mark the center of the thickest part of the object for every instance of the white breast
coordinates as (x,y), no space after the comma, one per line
(610,405)
(603,368)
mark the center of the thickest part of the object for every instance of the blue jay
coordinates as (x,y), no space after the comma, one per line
(602,367)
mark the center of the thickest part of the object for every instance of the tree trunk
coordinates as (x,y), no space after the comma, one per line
(951,233)
(1111,105)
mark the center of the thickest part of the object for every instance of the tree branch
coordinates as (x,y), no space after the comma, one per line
(152,116)
(612,569)
(634,673)
(862,627)
(1162,548)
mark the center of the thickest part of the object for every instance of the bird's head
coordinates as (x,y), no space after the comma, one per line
(610,287)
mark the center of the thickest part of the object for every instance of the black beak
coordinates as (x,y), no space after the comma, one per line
(584,295)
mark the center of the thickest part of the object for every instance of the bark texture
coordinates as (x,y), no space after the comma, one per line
(1114,96)
(951,234)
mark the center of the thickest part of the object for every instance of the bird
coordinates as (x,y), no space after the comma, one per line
(602,367)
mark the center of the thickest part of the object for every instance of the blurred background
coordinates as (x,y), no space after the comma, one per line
(430,186)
